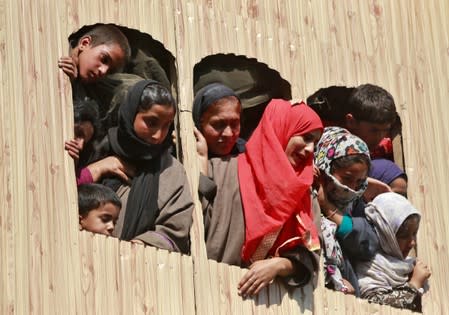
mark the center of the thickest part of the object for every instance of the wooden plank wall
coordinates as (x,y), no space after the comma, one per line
(48,267)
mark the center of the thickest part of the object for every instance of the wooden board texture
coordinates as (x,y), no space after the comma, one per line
(48,267)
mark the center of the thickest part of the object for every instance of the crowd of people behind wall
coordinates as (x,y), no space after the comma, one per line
(295,190)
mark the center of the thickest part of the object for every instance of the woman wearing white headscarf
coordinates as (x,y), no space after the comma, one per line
(392,277)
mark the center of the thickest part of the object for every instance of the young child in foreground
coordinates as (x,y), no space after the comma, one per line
(392,277)
(99,207)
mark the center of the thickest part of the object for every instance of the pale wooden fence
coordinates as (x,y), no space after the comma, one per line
(49,267)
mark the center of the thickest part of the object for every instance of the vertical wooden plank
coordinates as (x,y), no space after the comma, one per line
(236,304)
(140,281)
(150,282)
(125,279)
(215,297)
(174,272)
(185,47)
(111,255)
(87,273)
(17,244)
(7,287)
(240,305)
(104,273)
(188,288)
(163,282)
(37,222)
(267,301)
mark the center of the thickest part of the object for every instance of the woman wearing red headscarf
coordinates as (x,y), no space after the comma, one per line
(261,214)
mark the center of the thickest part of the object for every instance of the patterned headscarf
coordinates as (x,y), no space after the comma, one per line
(335,143)
(389,268)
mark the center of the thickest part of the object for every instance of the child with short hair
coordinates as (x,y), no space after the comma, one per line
(99,208)
(368,111)
(370,114)
(392,277)
(103,49)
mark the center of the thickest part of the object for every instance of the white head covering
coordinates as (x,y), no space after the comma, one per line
(389,268)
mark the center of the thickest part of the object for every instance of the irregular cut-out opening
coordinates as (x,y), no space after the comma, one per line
(253,81)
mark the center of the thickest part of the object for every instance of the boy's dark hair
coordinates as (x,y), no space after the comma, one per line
(156,94)
(330,102)
(103,34)
(373,104)
(92,196)
(348,160)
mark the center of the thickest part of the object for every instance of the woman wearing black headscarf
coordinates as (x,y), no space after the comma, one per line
(216,113)
(157,202)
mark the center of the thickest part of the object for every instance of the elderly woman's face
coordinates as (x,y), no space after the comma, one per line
(220,125)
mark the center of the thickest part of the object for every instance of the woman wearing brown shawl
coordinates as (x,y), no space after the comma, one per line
(261,214)
(157,204)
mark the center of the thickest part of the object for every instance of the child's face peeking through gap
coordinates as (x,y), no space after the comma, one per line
(84,132)
(101,220)
(406,235)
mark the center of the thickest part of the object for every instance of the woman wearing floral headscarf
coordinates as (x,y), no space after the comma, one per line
(343,161)
(392,277)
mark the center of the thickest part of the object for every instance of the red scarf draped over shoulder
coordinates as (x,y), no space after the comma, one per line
(276,197)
